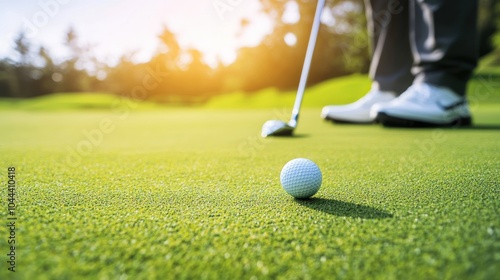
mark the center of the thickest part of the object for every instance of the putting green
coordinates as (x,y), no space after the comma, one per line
(195,193)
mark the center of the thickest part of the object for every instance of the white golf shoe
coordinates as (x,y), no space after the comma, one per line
(424,105)
(359,111)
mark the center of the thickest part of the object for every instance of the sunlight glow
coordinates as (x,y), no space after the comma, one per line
(292,13)
(290,39)
(219,40)
(113,28)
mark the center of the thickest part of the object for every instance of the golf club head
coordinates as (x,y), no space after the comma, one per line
(276,128)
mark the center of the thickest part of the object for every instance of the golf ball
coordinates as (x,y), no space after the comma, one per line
(301,178)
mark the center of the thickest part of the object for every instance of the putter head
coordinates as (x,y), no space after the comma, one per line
(277,128)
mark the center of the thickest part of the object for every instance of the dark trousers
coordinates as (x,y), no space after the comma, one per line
(432,41)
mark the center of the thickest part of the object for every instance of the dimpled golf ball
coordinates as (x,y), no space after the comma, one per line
(301,178)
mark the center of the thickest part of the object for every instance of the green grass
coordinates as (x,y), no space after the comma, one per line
(195,193)
(485,88)
(67,101)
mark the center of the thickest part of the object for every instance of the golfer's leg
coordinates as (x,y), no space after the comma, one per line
(388,25)
(391,64)
(444,45)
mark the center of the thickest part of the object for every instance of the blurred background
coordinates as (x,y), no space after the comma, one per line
(186,52)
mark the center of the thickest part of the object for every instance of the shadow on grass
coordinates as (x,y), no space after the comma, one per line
(472,127)
(300,136)
(341,208)
(291,136)
(482,127)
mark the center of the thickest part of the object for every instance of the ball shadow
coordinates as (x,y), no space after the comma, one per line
(344,209)
(293,136)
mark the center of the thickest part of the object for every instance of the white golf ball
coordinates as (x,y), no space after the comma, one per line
(301,178)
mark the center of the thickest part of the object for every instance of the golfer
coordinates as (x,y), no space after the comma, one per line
(424,52)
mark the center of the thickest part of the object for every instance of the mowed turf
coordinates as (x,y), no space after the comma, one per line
(195,193)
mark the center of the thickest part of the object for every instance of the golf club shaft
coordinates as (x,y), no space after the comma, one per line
(307,63)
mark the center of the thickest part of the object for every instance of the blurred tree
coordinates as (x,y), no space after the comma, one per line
(487,23)
(23,48)
(177,74)
(47,83)
(75,78)
(9,85)
(24,71)
(169,44)
(494,57)
(341,47)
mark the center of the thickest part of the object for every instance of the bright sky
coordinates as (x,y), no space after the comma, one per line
(119,26)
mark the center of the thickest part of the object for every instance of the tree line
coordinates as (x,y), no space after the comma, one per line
(179,75)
